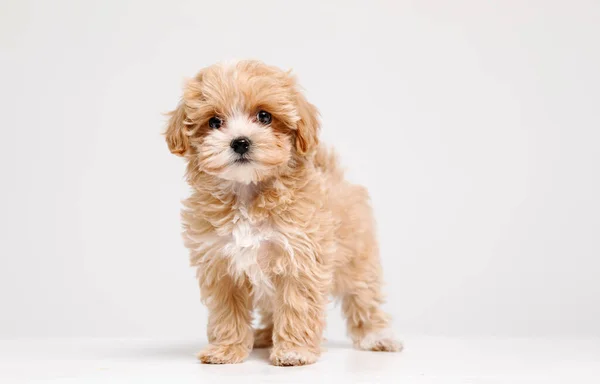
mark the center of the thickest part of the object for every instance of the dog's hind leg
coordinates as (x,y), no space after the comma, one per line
(360,288)
(263,336)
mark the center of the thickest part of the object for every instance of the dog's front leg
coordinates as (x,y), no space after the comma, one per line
(299,315)
(230,318)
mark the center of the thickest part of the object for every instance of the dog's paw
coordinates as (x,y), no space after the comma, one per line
(263,338)
(380,341)
(224,354)
(287,357)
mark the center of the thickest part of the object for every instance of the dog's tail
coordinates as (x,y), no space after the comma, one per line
(326,160)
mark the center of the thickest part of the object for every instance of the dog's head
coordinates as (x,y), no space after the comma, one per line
(243,122)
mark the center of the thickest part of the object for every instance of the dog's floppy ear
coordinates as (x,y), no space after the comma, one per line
(307,134)
(175,134)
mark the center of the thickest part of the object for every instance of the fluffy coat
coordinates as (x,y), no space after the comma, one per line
(278,229)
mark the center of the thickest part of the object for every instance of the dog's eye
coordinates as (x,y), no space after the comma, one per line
(215,122)
(264,117)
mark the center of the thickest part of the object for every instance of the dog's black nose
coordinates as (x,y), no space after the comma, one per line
(240,145)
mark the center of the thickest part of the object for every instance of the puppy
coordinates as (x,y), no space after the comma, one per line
(271,224)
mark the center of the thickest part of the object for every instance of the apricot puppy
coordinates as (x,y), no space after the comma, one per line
(271,223)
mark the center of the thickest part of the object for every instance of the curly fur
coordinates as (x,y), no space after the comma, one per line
(278,233)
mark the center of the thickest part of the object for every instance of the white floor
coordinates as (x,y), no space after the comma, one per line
(424,360)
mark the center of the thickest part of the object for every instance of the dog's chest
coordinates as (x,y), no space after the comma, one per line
(247,248)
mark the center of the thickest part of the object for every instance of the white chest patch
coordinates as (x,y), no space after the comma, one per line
(247,243)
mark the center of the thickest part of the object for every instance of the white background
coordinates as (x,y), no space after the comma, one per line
(474,124)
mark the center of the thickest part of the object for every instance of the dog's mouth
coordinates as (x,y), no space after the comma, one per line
(242,160)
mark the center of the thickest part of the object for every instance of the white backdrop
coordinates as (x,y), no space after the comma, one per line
(483,116)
